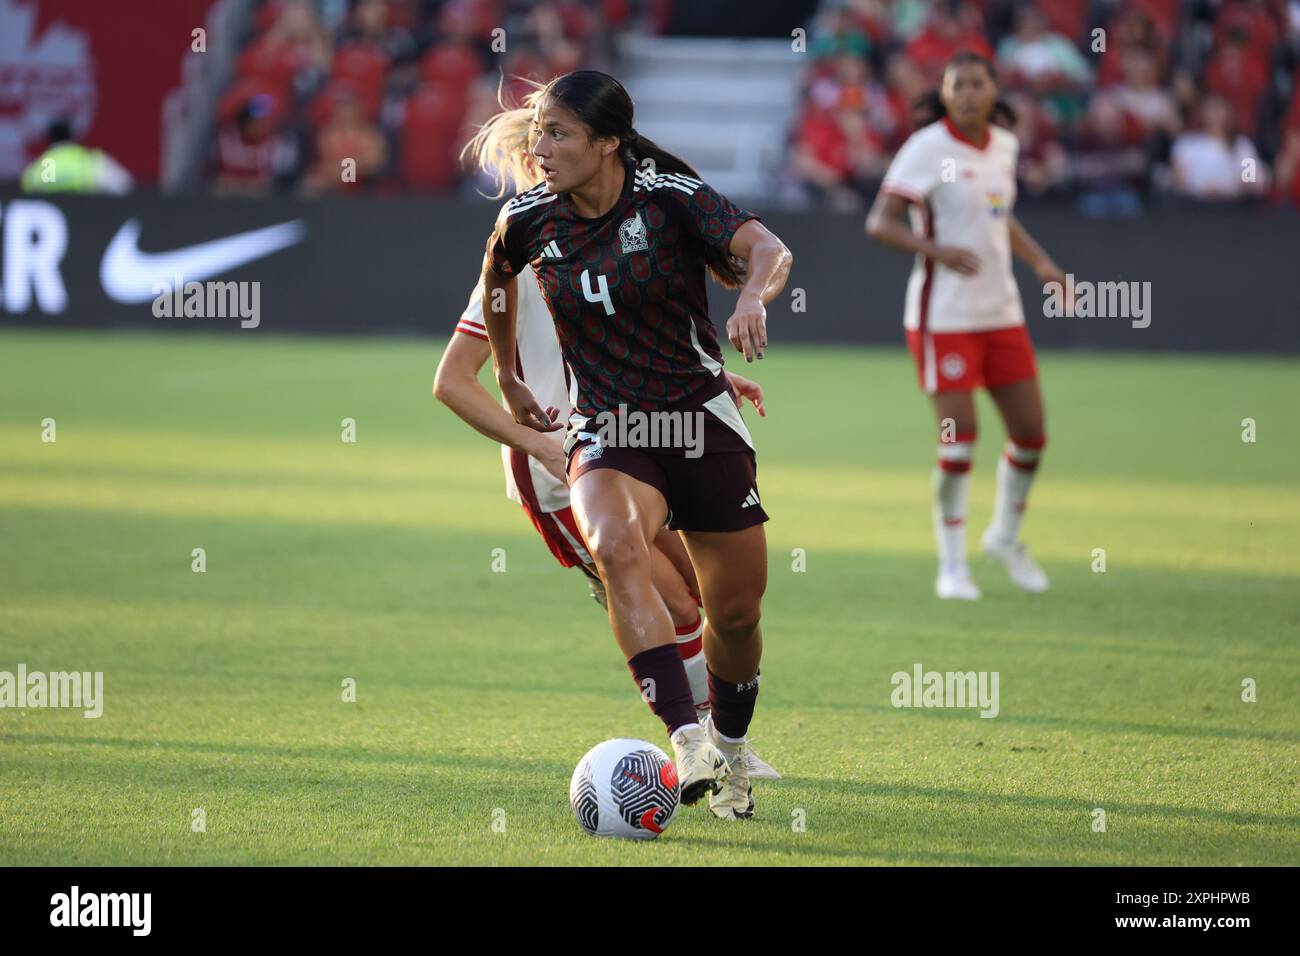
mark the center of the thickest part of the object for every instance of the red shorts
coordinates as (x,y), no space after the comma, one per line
(560,531)
(964,361)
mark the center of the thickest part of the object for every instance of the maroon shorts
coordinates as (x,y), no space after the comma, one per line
(706,470)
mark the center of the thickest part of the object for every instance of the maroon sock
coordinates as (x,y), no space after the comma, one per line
(661,679)
(732,705)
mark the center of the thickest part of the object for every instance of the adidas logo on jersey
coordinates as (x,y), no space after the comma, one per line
(750,499)
(552,251)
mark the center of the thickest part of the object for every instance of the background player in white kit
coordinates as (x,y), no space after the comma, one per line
(963,316)
(535,461)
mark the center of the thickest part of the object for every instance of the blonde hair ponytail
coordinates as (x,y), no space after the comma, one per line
(500,147)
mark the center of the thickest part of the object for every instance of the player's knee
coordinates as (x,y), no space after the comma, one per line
(680,603)
(735,620)
(618,552)
(1025,450)
(957,451)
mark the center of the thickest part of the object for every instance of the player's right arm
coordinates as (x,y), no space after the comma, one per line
(501,265)
(911,176)
(885,225)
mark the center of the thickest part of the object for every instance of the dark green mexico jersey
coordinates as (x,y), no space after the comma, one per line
(626,290)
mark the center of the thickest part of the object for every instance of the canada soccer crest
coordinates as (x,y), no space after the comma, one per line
(953,366)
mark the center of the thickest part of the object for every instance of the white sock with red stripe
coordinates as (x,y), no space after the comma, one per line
(951,490)
(1016,470)
(690,645)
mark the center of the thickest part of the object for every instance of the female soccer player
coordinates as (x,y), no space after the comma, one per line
(965,324)
(619,235)
(534,462)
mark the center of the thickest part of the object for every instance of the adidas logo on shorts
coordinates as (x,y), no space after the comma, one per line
(750,499)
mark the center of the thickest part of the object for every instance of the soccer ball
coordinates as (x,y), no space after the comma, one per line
(625,788)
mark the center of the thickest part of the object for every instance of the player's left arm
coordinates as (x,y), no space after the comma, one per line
(1024,248)
(768,266)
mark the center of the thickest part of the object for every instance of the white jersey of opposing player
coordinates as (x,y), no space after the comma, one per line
(962,196)
(542,368)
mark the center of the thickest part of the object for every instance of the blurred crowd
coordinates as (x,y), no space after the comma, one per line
(1118,104)
(378,96)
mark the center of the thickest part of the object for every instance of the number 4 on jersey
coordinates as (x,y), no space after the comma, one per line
(602,296)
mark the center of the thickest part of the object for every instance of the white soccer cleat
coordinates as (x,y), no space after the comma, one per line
(759,769)
(735,799)
(700,765)
(1014,555)
(956,584)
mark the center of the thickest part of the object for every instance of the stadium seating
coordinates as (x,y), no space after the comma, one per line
(759,120)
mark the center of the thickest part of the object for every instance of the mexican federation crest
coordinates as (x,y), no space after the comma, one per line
(633,234)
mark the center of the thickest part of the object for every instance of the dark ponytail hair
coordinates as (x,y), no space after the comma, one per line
(601,102)
(930,105)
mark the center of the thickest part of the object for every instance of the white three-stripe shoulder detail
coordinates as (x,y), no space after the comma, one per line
(686,184)
(524,201)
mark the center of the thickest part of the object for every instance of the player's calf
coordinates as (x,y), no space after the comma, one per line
(951,484)
(1016,471)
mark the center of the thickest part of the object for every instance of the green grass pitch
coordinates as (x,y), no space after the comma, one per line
(477,692)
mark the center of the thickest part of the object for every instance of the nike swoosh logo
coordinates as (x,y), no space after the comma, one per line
(129,275)
(648,820)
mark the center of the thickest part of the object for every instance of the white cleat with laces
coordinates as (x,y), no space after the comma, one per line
(759,769)
(735,799)
(1014,556)
(701,767)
